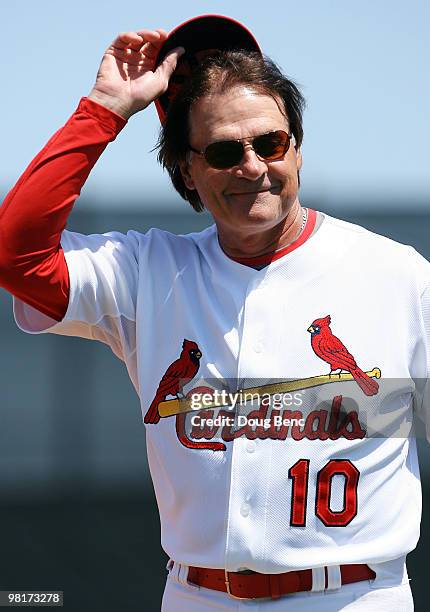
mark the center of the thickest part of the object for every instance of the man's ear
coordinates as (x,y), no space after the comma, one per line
(299,159)
(184,167)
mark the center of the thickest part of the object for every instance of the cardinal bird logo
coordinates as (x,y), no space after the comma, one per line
(331,350)
(177,375)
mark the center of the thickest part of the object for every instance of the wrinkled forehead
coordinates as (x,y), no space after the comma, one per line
(239,100)
(238,112)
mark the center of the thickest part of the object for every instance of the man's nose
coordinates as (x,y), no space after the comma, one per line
(251,166)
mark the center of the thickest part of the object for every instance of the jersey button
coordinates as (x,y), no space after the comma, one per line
(258,347)
(245,509)
(250,447)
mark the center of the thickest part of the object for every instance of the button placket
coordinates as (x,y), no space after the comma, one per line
(245,509)
(258,346)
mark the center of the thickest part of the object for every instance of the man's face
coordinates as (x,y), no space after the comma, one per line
(255,195)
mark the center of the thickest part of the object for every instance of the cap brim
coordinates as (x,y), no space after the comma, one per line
(199,34)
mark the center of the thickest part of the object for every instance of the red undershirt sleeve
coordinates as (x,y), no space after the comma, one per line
(35,212)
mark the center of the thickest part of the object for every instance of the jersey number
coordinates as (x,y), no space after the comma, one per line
(299,474)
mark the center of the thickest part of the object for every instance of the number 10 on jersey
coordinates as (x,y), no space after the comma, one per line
(299,474)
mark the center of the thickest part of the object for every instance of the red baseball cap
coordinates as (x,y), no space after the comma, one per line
(200,36)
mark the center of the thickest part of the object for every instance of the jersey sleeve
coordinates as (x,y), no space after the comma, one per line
(103,273)
(35,212)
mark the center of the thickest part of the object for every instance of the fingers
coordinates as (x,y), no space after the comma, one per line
(130,56)
(150,50)
(128,39)
(168,65)
(146,54)
(153,35)
(135,40)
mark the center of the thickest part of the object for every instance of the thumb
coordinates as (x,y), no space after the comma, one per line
(168,65)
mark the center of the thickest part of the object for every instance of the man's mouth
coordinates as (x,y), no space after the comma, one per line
(254,191)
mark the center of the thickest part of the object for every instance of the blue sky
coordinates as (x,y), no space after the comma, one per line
(362,66)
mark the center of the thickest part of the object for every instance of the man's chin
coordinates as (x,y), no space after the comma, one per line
(249,201)
(258,213)
(257,221)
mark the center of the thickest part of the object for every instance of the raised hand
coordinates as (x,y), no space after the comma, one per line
(126,81)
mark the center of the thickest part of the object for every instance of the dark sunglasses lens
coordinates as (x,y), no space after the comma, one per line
(224,154)
(273,145)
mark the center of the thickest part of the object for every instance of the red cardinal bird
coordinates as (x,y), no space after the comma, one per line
(334,352)
(178,374)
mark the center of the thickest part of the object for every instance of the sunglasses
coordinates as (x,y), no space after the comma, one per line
(228,153)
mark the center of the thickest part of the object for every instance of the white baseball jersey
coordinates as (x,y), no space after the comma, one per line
(321,488)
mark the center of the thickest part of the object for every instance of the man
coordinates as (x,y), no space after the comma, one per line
(304,497)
